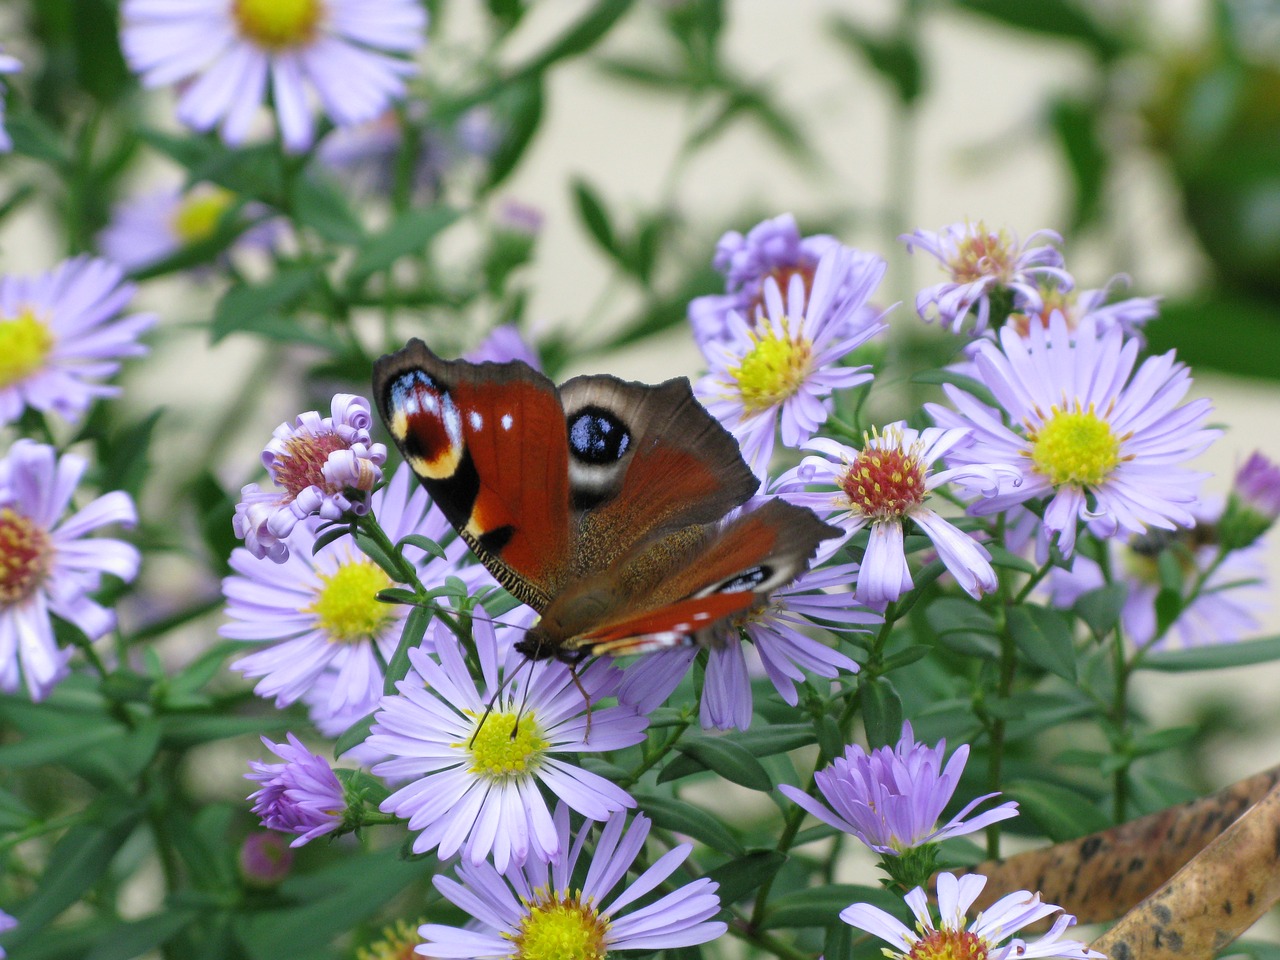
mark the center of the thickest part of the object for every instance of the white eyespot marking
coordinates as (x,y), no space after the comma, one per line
(507,421)
(452,423)
(477,421)
(682,627)
(702,615)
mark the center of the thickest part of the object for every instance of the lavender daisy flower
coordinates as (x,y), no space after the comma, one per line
(772,248)
(785,653)
(538,911)
(148,228)
(982,938)
(476,757)
(1130,315)
(60,333)
(7,923)
(300,796)
(326,467)
(1224,610)
(321,611)
(984,265)
(8,64)
(1254,503)
(783,368)
(49,566)
(504,343)
(1103,443)
(891,799)
(224,55)
(884,485)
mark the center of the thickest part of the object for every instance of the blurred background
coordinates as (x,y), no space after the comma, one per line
(1147,133)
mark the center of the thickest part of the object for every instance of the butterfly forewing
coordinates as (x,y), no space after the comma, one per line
(465,430)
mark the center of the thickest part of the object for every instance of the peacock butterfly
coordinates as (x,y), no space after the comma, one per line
(599,502)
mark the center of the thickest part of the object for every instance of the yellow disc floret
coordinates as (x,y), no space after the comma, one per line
(947,944)
(277,24)
(774,370)
(26,557)
(347,605)
(561,928)
(508,746)
(1075,447)
(25,343)
(198,214)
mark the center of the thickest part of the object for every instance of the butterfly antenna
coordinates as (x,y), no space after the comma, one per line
(488,707)
(577,682)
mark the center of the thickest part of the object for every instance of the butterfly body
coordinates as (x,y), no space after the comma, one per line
(601,503)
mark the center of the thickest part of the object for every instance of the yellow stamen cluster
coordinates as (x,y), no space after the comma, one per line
(947,944)
(1075,447)
(561,927)
(508,746)
(25,343)
(277,24)
(885,482)
(347,606)
(774,370)
(26,557)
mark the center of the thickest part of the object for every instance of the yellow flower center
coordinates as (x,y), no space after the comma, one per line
(1054,298)
(983,254)
(557,928)
(507,746)
(947,944)
(26,557)
(885,482)
(347,606)
(1075,447)
(198,214)
(25,343)
(397,943)
(773,371)
(277,24)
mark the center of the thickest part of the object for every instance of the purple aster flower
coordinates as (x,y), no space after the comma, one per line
(538,910)
(49,565)
(1223,611)
(784,652)
(326,466)
(225,56)
(1130,315)
(884,485)
(502,344)
(1254,503)
(1103,443)
(982,938)
(891,799)
(8,64)
(7,923)
(148,228)
(477,757)
(367,156)
(772,248)
(984,264)
(783,367)
(300,796)
(321,611)
(60,333)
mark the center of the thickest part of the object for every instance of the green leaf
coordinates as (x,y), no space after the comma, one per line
(963,626)
(354,735)
(1076,124)
(732,761)
(821,906)
(681,817)
(1196,326)
(580,37)
(415,628)
(772,739)
(740,876)
(188,729)
(969,385)
(1216,657)
(409,233)
(124,940)
(36,750)
(14,813)
(1161,740)
(881,712)
(321,205)
(1000,557)
(518,108)
(895,58)
(1062,19)
(1043,635)
(1061,812)
(1169,606)
(1101,608)
(33,137)
(243,307)
(595,217)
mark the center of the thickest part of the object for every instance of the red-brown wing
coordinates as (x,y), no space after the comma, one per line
(488,441)
(752,555)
